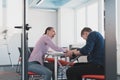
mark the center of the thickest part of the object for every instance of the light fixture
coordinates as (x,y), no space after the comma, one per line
(35,2)
(39,2)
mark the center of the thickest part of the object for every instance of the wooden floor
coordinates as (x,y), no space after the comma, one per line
(9,73)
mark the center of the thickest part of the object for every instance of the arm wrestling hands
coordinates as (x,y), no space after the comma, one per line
(71,53)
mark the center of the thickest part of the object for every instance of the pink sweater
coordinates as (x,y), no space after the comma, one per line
(42,47)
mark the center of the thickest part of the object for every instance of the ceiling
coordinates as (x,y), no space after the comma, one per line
(55,4)
(52,4)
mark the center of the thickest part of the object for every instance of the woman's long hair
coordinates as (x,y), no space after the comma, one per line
(48,28)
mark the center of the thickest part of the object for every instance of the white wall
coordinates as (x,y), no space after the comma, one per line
(36,18)
(12,15)
(39,20)
(1,14)
(65,26)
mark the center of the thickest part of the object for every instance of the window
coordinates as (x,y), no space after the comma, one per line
(92,16)
(87,16)
(81,22)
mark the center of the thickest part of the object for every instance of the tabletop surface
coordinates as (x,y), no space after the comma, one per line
(56,53)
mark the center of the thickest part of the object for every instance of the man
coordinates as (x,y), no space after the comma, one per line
(94,49)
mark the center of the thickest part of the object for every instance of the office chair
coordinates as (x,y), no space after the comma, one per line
(93,77)
(31,75)
(35,76)
(18,67)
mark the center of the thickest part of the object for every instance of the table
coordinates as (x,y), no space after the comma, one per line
(56,55)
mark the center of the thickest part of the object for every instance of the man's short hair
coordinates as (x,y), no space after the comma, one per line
(85,29)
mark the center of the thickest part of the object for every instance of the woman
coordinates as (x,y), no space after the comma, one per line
(41,48)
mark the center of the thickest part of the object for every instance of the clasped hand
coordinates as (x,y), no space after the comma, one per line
(69,53)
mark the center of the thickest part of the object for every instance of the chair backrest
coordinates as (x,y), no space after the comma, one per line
(29,51)
(20,51)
